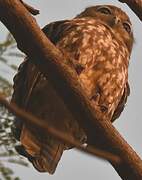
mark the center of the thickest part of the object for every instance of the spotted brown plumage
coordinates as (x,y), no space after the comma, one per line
(98,43)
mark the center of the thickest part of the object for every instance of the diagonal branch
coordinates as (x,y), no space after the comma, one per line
(37,122)
(52,63)
(135,5)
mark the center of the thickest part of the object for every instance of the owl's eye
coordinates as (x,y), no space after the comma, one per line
(127,27)
(104,10)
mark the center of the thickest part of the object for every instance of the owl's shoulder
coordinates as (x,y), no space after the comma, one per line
(54,30)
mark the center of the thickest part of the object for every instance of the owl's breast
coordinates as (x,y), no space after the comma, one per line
(100,59)
(88,41)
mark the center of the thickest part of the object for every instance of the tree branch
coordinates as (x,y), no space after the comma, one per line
(52,63)
(135,5)
(37,122)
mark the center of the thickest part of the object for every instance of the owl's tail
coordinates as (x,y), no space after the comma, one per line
(43,154)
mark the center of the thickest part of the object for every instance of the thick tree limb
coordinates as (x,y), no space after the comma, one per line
(135,5)
(52,63)
(37,122)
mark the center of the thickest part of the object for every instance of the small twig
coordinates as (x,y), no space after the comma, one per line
(32,10)
(34,121)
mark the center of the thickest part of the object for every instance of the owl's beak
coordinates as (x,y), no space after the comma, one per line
(112,21)
(117,20)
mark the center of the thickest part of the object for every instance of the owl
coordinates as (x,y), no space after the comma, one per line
(98,43)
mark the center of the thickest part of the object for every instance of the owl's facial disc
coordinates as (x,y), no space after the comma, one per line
(119,23)
(107,14)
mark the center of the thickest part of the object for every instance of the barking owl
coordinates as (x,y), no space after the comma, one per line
(99,43)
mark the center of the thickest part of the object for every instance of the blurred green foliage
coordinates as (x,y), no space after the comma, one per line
(8,154)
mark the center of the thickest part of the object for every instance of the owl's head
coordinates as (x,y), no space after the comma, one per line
(114,18)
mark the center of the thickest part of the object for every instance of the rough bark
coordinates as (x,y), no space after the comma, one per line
(52,63)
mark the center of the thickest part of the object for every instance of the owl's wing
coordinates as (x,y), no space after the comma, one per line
(54,31)
(19,90)
(44,157)
(122,103)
